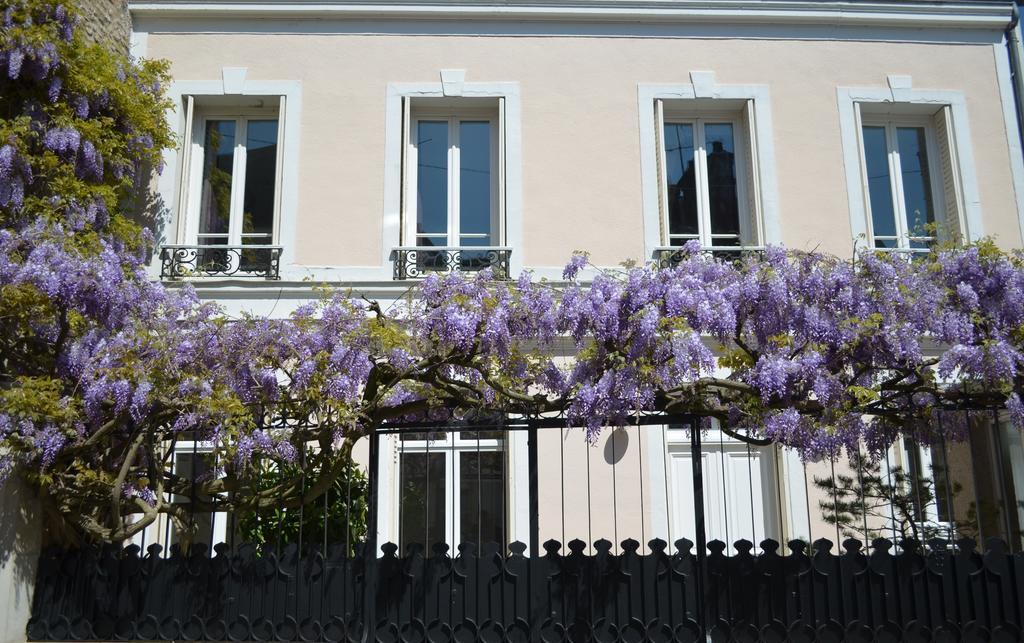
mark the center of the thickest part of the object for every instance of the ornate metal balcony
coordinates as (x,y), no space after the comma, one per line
(183,262)
(671,256)
(413,262)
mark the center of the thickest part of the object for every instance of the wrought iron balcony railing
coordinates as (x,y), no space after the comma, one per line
(670,256)
(414,262)
(185,261)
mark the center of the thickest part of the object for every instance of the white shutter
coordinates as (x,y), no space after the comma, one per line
(750,225)
(500,238)
(865,189)
(282,114)
(405,224)
(659,146)
(184,171)
(951,223)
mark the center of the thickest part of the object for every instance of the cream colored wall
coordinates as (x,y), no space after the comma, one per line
(581,165)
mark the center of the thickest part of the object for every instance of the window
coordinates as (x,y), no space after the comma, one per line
(741,488)
(236,196)
(453,199)
(929,484)
(210,528)
(707,176)
(912,193)
(191,460)
(231,189)
(451,488)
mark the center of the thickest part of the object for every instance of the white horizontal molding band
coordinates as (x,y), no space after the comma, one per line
(976,14)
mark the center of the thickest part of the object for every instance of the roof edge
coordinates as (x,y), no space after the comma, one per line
(985,14)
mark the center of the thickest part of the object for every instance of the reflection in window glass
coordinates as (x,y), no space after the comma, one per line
(218,170)
(680,175)
(432,183)
(197,466)
(482,493)
(928,480)
(260,181)
(475,182)
(723,203)
(876,157)
(422,499)
(917,188)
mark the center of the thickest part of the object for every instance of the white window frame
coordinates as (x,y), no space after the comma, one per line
(172,185)
(160,531)
(856,103)
(705,89)
(241,116)
(668,521)
(398,100)
(890,124)
(452,445)
(929,509)
(749,230)
(454,117)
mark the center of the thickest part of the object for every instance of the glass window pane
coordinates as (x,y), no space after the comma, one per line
(483,434)
(917,187)
(432,177)
(943,489)
(724,204)
(475,180)
(419,436)
(199,466)
(680,176)
(876,158)
(422,485)
(482,492)
(260,181)
(218,172)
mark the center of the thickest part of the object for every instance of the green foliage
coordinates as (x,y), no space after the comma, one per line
(890,502)
(338,517)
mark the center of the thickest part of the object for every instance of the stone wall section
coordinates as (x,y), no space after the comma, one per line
(106,22)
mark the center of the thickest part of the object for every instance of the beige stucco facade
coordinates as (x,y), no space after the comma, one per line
(581,185)
(579,156)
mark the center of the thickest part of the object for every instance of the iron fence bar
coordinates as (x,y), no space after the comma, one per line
(532,457)
(699,523)
(974,478)
(370,554)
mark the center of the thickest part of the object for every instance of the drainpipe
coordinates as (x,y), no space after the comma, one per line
(1016,55)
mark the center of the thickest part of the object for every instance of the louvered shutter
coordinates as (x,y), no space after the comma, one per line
(499,239)
(659,146)
(407,228)
(184,171)
(282,115)
(750,228)
(951,225)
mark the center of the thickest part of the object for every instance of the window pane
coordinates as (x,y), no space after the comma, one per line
(680,175)
(218,168)
(944,491)
(876,158)
(482,487)
(724,206)
(475,180)
(421,484)
(432,177)
(199,466)
(260,181)
(917,187)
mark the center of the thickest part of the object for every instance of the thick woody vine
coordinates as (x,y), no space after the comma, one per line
(102,370)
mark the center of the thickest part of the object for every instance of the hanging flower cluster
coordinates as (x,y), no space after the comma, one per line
(101,369)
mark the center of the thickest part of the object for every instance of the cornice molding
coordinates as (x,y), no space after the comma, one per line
(974,15)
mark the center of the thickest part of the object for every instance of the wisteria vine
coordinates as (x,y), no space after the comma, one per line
(102,369)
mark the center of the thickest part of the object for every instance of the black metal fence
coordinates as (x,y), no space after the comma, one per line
(592,561)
